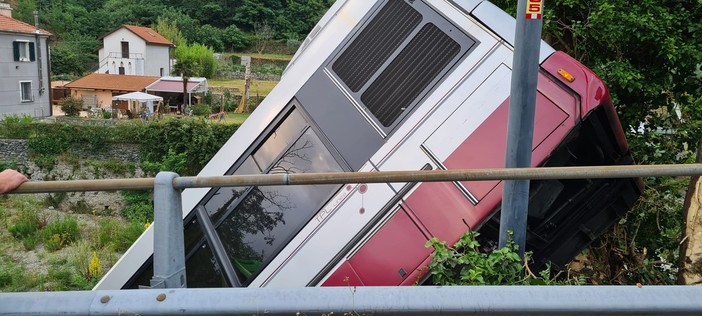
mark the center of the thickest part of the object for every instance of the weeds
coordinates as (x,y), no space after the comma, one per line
(60,233)
(465,264)
(81,207)
(55,199)
(27,224)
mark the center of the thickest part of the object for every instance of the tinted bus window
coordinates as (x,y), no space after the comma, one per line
(268,217)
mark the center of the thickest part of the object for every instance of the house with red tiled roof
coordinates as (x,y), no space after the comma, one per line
(24,67)
(97,89)
(135,50)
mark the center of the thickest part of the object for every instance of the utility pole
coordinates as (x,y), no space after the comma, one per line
(37,39)
(520,129)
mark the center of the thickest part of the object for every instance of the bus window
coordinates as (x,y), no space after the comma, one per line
(268,217)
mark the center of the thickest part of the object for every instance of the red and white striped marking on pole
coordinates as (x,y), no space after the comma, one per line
(534,9)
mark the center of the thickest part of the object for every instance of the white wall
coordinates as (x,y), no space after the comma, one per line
(145,59)
(157,57)
(110,55)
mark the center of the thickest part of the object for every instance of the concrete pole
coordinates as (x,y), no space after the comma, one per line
(169,249)
(520,130)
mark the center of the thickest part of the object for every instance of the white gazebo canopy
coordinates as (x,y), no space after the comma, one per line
(137,96)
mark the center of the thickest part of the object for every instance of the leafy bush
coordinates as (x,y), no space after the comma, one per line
(127,235)
(466,264)
(63,278)
(30,242)
(293,43)
(14,126)
(138,206)
(60,233)
(202,110)
(71,106)
(195,139)
(53,140)
(7,165)
(171,162)
(27,224)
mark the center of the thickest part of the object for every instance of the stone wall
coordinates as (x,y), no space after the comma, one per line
(123,152)
(254,76)
(16,150)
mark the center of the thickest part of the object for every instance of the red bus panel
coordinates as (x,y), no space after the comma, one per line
(392,254)
(443,209)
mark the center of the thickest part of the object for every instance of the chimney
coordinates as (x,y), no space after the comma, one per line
(5,9)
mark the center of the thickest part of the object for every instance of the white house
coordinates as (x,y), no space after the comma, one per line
(135,50)
(24,67)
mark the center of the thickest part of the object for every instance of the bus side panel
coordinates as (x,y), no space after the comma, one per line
(344,276)
(390,256)
(443,209)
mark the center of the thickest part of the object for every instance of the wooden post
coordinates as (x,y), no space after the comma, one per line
(247,84)
(690,264)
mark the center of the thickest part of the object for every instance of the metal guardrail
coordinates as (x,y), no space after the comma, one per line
(356,301)
(169,266)
(601,172)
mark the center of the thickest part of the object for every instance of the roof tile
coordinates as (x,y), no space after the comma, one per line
(149,35)
(100,81)
(12,25)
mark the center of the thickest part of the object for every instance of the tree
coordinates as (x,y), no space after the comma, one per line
(168,29)
(23,11)
(251,12)
(210,36)
(186,66)
(74,55)
(185,24)
(264,33)
(299,17)
(235,39)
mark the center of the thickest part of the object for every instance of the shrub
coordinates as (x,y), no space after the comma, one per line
(115,236)
(7,165)
(127,235)
(71,105)
(10,275)
(138,206)
(60,233)
(202,109)
(63,278)
(139,213)
(466,264)
(293,43)
(30,242)
(27,224)
(171,162)
(14,126)
(107,233)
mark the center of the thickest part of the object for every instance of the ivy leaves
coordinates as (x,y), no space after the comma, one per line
(465,264)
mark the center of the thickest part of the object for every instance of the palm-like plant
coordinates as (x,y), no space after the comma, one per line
(187,67)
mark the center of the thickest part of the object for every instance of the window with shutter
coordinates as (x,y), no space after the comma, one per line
(23,51)
(32,54)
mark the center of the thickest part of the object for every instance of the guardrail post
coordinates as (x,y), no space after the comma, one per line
(169,252)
